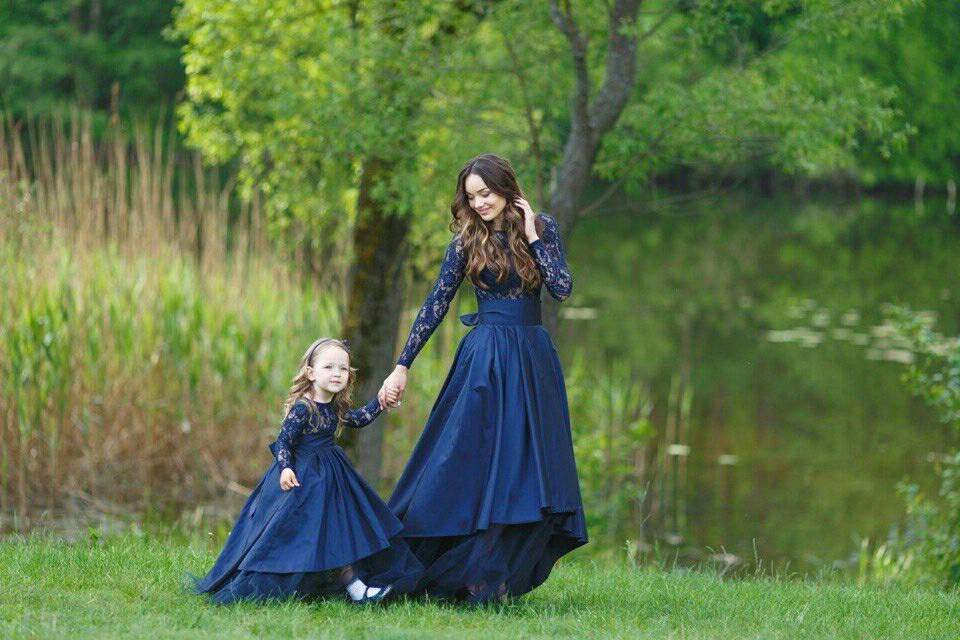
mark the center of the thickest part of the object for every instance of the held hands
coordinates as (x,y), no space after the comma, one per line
(391,391)
(288,479)
(529,228)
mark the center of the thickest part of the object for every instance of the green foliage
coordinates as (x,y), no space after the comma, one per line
(932,531)
(59,53)
(610,415)
(303,92)
(306,94)
(742,87)
(912,56)
(935,373)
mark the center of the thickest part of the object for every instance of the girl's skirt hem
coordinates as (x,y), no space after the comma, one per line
(394,565)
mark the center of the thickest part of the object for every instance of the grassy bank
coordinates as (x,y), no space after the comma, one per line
(130,586)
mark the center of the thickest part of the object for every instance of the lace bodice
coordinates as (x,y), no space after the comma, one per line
(301,420)
(547,252)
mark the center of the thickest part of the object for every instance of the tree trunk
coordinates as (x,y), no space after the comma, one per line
(374,305)
(572,176)
(590,120)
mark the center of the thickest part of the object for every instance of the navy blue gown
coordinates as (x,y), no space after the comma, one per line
(290,543)
(490,498)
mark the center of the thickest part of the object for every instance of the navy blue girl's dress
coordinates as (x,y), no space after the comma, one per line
(288,543)
(490,498)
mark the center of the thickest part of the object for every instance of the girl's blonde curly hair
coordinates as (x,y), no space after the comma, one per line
(302,385)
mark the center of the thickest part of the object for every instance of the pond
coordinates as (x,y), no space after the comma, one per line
(760,320)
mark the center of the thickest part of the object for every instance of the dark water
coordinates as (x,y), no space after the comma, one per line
(757,326)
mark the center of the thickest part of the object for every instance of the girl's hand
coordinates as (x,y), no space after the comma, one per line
(529,217)
(288,479)
(391,391)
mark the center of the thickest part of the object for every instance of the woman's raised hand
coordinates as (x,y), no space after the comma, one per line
(529,226)
(288,479)
(391,391)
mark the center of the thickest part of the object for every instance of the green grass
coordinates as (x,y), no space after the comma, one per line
(130,586)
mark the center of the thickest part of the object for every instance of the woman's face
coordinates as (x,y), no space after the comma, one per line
(488,204)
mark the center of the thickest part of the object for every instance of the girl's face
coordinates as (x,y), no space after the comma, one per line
(488,204)
(330,370)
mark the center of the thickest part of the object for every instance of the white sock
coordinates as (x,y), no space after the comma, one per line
(357,588)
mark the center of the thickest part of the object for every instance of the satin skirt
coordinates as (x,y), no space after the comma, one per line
(292,543)
(490,498)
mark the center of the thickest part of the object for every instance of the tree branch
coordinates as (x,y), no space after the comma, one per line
(620,68)
(528,108)
(616,184)
(578,48)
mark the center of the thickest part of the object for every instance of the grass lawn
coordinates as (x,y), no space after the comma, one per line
(129,586)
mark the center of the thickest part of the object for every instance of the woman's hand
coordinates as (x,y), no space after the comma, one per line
(529,217)
(391,391)
(288,479)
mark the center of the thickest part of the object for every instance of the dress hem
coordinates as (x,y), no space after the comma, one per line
(545,512)
(260,569)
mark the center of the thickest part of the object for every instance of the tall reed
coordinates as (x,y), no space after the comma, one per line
(613,437)
(149,321)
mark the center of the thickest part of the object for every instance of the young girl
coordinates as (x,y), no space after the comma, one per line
(313,526)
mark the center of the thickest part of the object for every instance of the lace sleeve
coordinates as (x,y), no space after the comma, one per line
(551,260)
(290,431)
(359,418)
(452,270)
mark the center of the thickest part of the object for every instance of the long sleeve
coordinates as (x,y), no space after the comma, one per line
(361,417)
(290,432)
(551,260)
(452,271)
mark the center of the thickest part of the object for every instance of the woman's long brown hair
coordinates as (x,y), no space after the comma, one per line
(475,233)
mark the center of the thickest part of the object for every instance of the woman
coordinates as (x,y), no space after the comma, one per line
(490,497)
